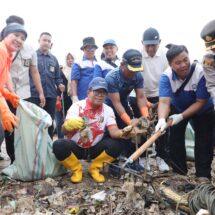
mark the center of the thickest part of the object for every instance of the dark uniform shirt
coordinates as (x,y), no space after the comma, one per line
(49,70)
(118,84)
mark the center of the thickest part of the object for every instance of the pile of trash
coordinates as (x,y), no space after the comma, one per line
(125,195)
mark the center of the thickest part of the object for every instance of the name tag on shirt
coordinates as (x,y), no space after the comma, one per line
(27,62)
(51,68)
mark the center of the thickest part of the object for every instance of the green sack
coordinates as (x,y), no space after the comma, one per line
(34,158)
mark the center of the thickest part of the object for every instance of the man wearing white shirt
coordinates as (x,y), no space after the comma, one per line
(154,64)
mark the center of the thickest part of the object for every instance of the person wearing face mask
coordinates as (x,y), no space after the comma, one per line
(183,95)
(82,71)
(12,39)
(208,35)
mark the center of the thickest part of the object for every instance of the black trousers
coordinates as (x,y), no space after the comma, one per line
(128,147)
(62,148)
(203,126)
(162,144)
(50,107)
(59,115)
(1,135)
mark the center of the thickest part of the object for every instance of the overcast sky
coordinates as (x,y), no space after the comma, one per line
(69,21)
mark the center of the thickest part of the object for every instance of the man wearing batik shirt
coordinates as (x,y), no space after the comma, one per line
(85,124)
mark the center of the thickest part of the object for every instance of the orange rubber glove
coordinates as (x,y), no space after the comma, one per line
(144,111)
(58,104)
(12,97)
(148,103)
(9,120)
(126,118)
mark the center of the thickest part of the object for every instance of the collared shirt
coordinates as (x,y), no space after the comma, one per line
(153,68)
(102,68)
(20,69)
(49,73)
(118,84)
(194,89)
(96,120)
(82,72)
(5,63)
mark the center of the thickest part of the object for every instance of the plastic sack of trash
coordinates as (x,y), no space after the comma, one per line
(34,158)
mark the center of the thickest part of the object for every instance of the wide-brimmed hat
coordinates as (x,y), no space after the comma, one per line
(88,41)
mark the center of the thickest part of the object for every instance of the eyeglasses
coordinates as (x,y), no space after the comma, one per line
(90,49)
(99,93)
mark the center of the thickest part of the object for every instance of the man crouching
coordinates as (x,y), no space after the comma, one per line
(85,125)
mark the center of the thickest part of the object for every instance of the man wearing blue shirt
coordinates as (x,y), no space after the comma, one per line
(184,96)
(110,60)
(121,82)
(82,71)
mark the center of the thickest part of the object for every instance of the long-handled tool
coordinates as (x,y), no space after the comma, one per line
(63,107)
(146,145)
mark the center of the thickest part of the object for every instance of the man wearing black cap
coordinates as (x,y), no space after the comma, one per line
(208,35)
(155,63)
(82,71)
(110,60)
(85,124)
(121,82)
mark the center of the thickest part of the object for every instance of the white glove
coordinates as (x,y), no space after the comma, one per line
(160,125)
(176,118)
(75,99)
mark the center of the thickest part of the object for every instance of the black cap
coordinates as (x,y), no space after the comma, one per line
(13,27)
(151,37)
(208,35)
(133,58)
(89,41)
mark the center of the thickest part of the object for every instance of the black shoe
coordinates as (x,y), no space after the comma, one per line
(135,166)
(114,170)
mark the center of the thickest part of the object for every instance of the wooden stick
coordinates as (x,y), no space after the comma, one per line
(146,145)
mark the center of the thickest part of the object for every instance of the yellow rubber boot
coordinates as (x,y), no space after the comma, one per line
(97,164)
(72,163)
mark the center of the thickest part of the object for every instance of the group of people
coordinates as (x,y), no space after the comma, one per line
(101,98)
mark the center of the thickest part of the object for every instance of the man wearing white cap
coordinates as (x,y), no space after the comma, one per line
(110,60)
